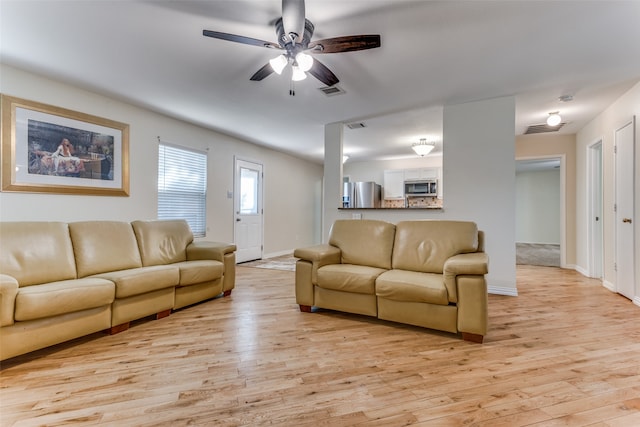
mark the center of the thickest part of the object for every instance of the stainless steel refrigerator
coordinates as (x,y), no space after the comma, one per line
(361,195)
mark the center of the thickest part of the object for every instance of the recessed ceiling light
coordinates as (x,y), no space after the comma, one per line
(554,119)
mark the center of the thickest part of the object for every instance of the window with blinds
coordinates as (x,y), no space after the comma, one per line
(182,186)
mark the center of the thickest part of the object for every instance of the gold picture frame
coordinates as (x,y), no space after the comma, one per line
(47,149)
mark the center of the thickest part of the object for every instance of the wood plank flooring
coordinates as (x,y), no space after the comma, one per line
(565,352)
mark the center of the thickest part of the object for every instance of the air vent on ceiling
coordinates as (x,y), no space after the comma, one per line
(358,125)
(543,128)
(332,90)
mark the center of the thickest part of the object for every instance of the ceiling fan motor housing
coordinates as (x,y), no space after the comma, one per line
(287,41)
(293,17)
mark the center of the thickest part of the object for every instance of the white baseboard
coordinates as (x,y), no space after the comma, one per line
(577,268)
(500,290)
(609,285)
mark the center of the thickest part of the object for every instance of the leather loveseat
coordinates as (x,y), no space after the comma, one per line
(428,273)
(60,281)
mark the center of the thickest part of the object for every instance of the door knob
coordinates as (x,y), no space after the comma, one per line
(627,220)
(237,219)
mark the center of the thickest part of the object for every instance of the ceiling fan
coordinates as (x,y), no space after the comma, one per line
(294,40)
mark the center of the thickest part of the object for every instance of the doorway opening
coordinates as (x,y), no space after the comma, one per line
(540,211)
(595,206)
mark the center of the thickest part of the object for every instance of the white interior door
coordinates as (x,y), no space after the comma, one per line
(624,215)
(248,210)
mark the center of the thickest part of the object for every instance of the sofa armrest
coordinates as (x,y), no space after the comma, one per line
(218,251)
(464,275)
(323,254)
(310,259)
(209,250)
(473,306)
(8,292)
(319,256)
(476,263)
(472,263)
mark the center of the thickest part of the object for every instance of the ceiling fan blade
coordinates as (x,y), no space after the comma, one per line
(322,73)
(262,73)
(293,18)
(345,43)
(240,39)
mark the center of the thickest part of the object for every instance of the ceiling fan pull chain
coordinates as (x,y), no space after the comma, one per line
(292,89)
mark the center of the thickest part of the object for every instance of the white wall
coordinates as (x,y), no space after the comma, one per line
(538,207)
(291,206)
(603,127)
(479,176)
(479,154)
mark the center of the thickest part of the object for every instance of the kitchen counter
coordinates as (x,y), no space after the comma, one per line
(427,208)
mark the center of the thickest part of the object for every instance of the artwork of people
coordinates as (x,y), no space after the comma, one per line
(63,151)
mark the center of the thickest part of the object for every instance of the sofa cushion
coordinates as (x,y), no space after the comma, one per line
(141,280)
(401,285)
(163,241)
(51,299)
(102,246)
(194,272)
(349,278)
(363,241)
(425,245)
(36,252)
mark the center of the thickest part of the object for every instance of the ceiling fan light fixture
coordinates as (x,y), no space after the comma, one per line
(423,147)
(305,62)
(297,74)
(554,119)
(294,36)
(278,63)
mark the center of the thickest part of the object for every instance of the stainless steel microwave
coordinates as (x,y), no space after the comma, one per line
(422,188)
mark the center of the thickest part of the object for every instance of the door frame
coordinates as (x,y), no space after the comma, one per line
(595,208)
(563,201)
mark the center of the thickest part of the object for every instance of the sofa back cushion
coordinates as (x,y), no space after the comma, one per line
(363,241)
(103,246)
(424,245)
(163,241)
(36,252)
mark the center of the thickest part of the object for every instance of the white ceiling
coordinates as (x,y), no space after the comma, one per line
(433,54)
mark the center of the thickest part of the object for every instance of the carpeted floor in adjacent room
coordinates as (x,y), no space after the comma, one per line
(546,255)
(284,262)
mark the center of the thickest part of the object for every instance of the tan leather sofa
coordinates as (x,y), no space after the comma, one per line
(428,273)
(60,281)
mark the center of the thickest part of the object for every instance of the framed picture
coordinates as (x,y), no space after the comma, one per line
(46,149)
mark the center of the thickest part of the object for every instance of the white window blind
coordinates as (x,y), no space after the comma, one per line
(182,186)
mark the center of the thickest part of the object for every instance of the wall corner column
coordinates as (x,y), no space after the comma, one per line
(332,186)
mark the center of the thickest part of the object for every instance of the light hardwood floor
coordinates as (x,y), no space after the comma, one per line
(564,352)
